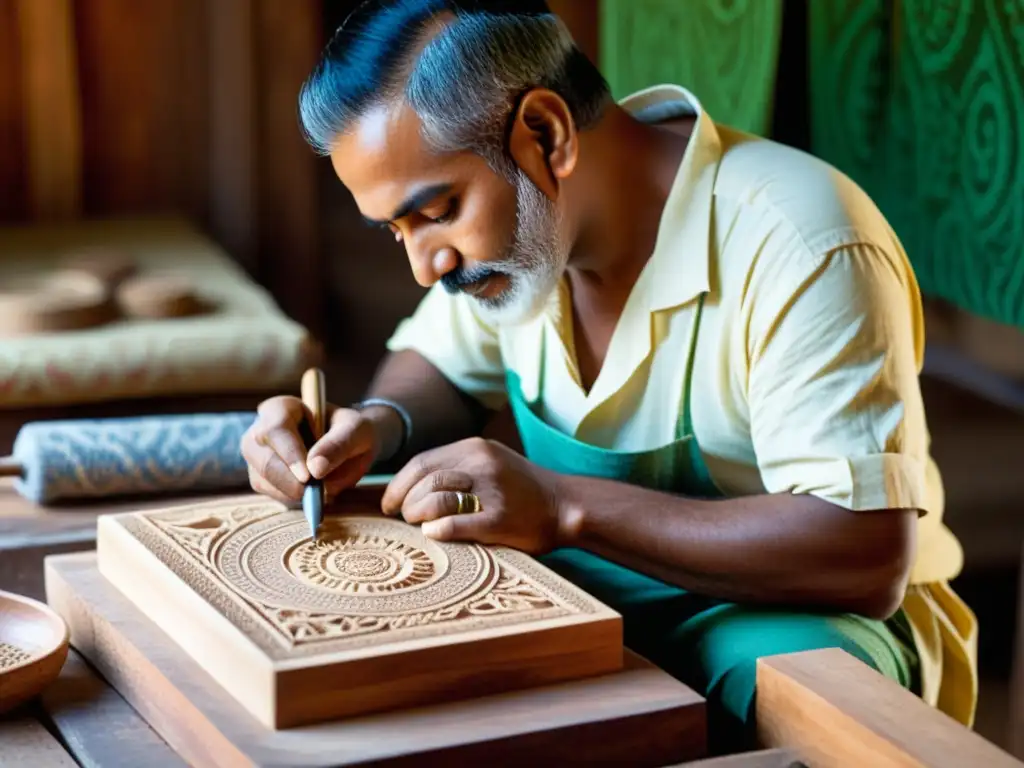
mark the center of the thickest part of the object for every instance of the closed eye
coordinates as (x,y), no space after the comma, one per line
(446,216)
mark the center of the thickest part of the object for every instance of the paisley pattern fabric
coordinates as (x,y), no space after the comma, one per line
(725,51)
(922,103)
(78,459)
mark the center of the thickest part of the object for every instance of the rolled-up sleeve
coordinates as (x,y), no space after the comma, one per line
(835,347)
(448,332)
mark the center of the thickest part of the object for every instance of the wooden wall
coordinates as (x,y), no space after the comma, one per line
(120,107)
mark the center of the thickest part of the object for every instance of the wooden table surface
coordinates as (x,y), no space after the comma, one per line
(29,532)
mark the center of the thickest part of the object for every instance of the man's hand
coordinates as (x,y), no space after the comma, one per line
(279,466)
(520,502)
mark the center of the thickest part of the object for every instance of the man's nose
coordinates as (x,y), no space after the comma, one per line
(430,264)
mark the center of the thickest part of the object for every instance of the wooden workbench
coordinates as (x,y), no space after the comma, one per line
(821,708)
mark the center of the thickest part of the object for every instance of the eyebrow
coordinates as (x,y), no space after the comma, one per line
(414,202)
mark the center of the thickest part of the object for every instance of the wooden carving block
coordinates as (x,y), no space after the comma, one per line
(837,711)
(372,616)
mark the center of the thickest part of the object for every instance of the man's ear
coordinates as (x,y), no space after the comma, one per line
(543,140)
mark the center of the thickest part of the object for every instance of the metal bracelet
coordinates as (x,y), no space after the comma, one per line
(402,413)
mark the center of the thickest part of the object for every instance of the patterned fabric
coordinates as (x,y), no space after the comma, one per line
(246,344)
(922,103)
(107,457)
(725,51)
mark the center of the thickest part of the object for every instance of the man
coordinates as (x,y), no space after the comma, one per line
(710,343)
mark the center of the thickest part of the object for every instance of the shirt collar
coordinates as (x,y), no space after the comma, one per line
(678,270)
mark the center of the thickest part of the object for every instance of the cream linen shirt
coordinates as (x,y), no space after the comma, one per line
(806,367)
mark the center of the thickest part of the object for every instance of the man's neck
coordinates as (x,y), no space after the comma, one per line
(626,188)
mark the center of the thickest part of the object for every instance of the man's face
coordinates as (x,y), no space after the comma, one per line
(461,223)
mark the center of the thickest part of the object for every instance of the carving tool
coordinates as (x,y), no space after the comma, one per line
(314,397)
(92,458)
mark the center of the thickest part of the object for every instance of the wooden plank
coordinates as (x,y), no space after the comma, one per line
(837,711)
(25,742)
(144,101)
(98,727)
(52,110)
(640,717)
(288,39)
(582,18)
(233,121)
(13,191)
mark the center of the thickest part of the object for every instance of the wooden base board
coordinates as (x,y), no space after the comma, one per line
(371,616)
(25,742)
(97,726)
(836,711)
(639,716)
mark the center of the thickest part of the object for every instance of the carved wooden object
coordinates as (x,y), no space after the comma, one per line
(370,617)
(639,716)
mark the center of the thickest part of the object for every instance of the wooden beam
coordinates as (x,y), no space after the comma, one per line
(288,40)
(834,710)
(232,128)
(52,110)
(13,191)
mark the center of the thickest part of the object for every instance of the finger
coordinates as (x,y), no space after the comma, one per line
(350,435)
(265,462)
(261,486)
(479,527)
(278,427)
(348,474)
(431,507)
(435,482)
(426,463)
(287,444)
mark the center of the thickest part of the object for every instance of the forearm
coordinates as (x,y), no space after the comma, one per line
(770,549)
(440,412)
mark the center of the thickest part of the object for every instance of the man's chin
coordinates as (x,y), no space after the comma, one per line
(510,310)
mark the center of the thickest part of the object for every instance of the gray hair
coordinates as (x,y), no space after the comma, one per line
(461,75)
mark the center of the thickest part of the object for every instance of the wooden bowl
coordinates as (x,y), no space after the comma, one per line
(109,264)
(65,300)
(156,296)
(33,648)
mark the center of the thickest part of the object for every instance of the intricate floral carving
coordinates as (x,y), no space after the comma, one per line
(367,575)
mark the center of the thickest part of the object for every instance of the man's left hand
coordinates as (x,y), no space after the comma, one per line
(520,504)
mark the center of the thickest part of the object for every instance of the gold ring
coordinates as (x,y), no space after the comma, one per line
(472,498)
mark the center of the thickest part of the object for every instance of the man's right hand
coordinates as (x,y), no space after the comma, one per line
(279,465)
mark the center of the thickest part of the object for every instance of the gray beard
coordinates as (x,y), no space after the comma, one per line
(534,261)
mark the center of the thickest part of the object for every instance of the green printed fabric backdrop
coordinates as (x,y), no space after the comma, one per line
(724,51)
(922,102)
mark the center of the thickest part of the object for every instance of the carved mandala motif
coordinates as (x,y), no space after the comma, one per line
(365,575)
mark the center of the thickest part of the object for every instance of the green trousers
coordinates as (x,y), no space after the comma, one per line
(713,646)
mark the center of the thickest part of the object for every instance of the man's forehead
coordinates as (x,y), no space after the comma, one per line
(385,135)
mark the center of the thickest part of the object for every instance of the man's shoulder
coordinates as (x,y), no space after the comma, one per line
(810,198)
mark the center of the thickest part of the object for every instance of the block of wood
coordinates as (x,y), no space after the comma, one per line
(836,711)
(639,716)
(370,616)
(25,742)
(97,726)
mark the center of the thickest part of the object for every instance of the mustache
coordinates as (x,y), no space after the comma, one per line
(460,277)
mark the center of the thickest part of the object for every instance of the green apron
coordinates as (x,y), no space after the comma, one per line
(709,644)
